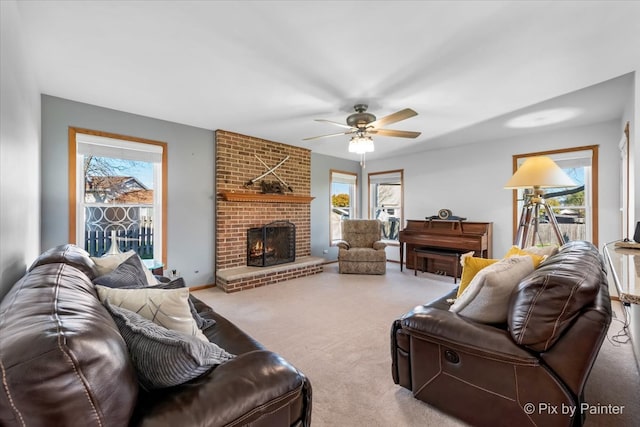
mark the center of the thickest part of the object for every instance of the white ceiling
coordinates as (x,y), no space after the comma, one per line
(268,68)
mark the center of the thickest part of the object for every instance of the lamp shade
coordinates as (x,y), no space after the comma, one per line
(539,171)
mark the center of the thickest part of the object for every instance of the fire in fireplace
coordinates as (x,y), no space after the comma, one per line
(271,244)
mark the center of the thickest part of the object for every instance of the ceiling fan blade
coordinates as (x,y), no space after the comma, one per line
(327,136)
(397,133)
(393,118)
(335,123)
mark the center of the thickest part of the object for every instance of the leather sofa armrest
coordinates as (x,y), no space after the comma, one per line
(259,379)
(239,392)
(379,245)
(342,244)
(455,331)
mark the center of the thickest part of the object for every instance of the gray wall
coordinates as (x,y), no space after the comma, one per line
(190,212)
(470,179)
(191,183)
(321,166)
(19,153)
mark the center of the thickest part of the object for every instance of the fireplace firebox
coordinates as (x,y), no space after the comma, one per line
(271,244)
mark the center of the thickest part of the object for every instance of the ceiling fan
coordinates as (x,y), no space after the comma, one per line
(363,123)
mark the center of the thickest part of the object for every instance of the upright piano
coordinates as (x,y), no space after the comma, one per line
(456,235)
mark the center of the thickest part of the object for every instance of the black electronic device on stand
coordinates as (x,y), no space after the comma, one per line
(631,244)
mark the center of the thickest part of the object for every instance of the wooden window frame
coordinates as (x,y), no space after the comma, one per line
(594,184)
(72,146)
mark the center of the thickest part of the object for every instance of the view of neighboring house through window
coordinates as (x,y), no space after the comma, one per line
(343,201)
(385,202)
(119,186)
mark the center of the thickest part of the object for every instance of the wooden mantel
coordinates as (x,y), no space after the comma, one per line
(232,196)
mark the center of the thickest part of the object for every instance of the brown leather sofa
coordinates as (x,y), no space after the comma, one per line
(63,362)
(523,373)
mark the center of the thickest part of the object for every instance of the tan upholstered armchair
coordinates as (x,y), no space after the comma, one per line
(361,249)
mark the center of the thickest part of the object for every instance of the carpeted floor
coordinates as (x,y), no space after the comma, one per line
(336,329)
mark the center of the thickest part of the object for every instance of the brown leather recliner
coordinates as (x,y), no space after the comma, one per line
(528,372)
(63,362)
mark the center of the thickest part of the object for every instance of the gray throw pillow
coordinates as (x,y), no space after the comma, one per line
(163,357)
(107,263)
(129,274)
(202,322)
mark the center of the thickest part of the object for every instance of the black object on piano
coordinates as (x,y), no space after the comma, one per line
(451,218)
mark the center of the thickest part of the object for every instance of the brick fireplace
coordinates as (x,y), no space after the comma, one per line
(241,205)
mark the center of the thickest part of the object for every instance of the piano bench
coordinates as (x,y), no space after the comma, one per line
(436,254)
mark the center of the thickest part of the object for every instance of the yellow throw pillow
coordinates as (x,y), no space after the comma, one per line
(470,267)
(516,251)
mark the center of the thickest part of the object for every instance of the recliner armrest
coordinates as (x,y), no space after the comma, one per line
(342,244)
(379,245)
(455,331)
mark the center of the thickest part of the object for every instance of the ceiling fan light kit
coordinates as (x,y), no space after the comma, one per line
(364,124)
(361,144)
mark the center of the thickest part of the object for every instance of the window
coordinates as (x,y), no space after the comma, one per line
(343,201)
(385,202)
(117,187)
(575,208)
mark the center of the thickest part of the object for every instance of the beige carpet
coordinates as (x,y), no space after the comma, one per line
(336,329)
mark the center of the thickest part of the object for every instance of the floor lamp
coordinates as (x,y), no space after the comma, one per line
(535,174)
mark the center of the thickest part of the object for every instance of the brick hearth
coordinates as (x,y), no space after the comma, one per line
(241,278)
(240,206)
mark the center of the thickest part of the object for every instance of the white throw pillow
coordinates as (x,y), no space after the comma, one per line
(487,296)
(165,307)
(107,263)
